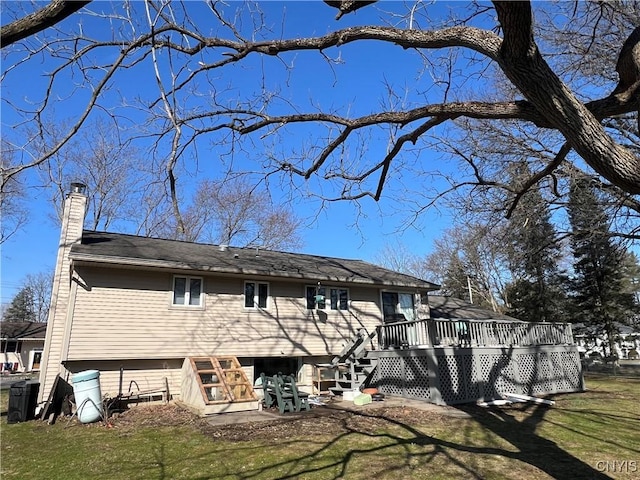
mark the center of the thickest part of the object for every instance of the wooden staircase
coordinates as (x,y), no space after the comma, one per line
(216,385)
(354,368)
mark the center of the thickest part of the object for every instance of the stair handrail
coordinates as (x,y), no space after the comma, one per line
(365,342)
(355,346)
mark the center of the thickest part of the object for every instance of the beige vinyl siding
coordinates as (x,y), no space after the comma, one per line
(124,314)
(150,374)
(138,375)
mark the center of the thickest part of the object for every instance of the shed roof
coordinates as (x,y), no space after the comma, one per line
(145,252)
(581,329)
(443,307)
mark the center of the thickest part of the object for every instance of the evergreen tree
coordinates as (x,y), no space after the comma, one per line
(536,294)
(599,293)
(631,283)
(455,279)
(21,308)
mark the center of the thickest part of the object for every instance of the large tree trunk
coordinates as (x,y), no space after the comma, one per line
(523,64)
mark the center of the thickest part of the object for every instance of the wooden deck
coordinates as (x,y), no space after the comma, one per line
(462,361)
(472,333)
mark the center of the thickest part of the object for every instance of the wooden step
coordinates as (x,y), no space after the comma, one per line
(217,381)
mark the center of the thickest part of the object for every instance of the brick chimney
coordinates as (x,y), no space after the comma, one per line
(62,293)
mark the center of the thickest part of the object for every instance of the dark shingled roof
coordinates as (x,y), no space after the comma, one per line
(442,307)
(580,329)
(21,330)
(115,248)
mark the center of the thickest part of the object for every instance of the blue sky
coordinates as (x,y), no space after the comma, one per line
(340,229)
(356,83)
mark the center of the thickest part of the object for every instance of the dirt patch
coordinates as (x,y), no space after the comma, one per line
(169,415)
(320,421)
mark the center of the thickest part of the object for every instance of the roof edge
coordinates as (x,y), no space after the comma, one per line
(136,262)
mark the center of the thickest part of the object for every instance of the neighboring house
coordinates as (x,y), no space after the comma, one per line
(147,312)
(593,342)
(22,345)
(145,305)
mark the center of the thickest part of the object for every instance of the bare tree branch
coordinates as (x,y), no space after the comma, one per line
(48,16)
(531,181)
(348,6)
(522,62)
(187,105)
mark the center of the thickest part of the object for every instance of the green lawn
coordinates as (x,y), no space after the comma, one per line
(586,435)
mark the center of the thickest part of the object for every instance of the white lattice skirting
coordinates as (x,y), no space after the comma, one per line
(450,375)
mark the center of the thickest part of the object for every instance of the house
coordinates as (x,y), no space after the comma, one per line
(593,342)
(145,305)
(205,321)
(21,346)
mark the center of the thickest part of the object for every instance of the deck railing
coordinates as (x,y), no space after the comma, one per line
(472,333)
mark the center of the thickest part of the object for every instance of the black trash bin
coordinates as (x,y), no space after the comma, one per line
(23,397)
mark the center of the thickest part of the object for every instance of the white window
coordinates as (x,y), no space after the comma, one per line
(398,306)
(187,291)
(256,294)
(321,297)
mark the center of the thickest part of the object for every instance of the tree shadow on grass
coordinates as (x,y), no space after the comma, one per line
(532,448)
(390,445)
(356,443)
(401,446)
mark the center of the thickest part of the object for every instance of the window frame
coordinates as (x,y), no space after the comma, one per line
(187,292)
(328,304)
(256,304)
(398,304)
(16,344)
